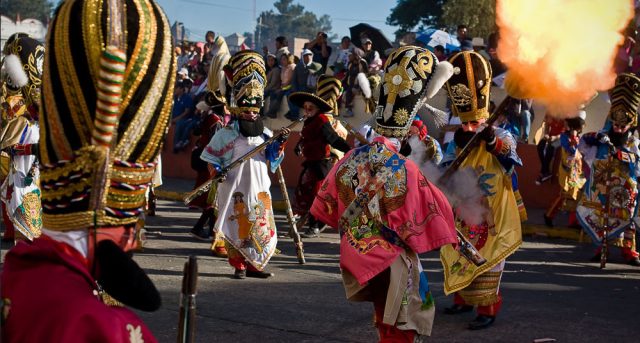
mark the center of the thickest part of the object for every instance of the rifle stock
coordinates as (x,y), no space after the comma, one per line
(355,133)
(293,230)
(187,319)
(206,186)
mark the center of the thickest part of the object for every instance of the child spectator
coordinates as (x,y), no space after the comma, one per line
(182,116)
(551,130)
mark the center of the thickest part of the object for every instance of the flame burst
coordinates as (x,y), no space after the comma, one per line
(560,52)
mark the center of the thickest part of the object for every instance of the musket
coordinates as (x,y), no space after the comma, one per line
(355,133)
(473,142)
(293,230)
(187,321)
(223,173)
(606,207)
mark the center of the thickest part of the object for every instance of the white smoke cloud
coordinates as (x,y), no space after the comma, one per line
(462,190)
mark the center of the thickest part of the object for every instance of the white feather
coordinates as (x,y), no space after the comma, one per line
(14,68)
(364,85)
(222,85)
(440,117)
(444,70)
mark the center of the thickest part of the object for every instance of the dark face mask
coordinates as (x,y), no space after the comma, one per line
(250,128)
(619,138)
(123,279)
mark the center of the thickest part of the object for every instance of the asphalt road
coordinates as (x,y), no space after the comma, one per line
(550,290)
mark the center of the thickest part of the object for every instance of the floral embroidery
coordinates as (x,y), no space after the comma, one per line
(221,151)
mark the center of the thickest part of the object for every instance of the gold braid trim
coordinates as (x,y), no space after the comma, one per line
(82,220)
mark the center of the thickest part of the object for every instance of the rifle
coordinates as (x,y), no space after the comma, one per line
(222,174)
(293,230)
(187,319)
(606,207)
(355,133)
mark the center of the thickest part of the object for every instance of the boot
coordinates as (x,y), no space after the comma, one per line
(259,274)
(481,322)
(151,210)
(240,274)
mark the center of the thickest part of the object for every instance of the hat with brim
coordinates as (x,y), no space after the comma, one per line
(299,98)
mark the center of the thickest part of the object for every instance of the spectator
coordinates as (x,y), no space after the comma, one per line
(265,52)
(210,45)
(274,86)
(183,74)
(551,130)
(462,32)
(466,45)
(439,52)
(182,115)
(282,47)
(321,50)
(479,47)
(340,63)
(357,70)
(196,58)
(372,56)
(304,80)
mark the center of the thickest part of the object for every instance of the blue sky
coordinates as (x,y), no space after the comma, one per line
(227,17)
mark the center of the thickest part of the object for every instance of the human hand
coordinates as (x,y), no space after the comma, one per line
(488,134)
(603,138)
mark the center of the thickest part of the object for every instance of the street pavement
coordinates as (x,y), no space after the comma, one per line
(550,290)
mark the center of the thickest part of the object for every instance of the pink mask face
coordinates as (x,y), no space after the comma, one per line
(252,116)
(473,126)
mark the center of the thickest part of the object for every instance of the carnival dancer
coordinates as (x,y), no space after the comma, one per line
(20,135)
(570,174)
(317,138)
(245,214)
(420,147)
(210,123)
(386,210)
(103,121)
(497,233)
(612,156)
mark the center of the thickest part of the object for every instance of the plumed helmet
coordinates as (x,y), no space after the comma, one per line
(107,96)
(248,78)
(625,98)
(469,87)
(412,75)
(24,57)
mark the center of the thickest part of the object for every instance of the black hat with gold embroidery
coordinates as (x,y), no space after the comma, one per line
(412,76)
(248,78)
(625,99)
(23,61)
(470,85)
(107,96)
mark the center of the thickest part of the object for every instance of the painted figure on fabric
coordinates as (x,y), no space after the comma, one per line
(243,198)
(102,124)
(386,210)
(496,233)
(612,156)
(20,101)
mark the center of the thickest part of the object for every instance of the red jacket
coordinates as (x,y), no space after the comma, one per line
(318,136)
(50,296)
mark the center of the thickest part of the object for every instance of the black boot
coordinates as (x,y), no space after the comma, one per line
(259,274)
(151,210)
(240,274)
(457,309)
(634,262)
(481,322)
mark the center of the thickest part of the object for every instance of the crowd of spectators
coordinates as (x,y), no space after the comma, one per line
(359,69)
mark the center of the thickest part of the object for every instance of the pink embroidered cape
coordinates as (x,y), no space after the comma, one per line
(407,211)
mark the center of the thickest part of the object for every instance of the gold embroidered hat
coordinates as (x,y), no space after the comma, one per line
(23,61)
(247,81)
(329,89)
(107,95)
(625,98)
(470,85)
(412,75)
